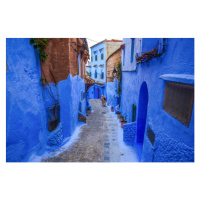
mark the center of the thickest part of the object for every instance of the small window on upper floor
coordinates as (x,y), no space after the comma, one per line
(132,49)
(92,58)
(102,56)
(95,57)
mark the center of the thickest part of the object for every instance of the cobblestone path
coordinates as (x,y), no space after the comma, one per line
(97,140)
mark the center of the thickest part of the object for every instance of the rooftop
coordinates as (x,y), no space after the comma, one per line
(113,40)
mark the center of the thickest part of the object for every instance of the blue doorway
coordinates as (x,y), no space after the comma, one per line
(98,93)
(141,118)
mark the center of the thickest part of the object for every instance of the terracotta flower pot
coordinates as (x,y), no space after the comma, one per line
(120,119)
(112,109)
(122,124)
(88,111)
(118,115)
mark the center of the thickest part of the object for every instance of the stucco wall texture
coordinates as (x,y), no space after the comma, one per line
(112,47)
(27,101)
(111,90)
(173,140)
(26,131)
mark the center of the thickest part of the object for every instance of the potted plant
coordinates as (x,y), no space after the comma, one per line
(88,110)
(123,121)
(118,114)
(112,109)
(121,118)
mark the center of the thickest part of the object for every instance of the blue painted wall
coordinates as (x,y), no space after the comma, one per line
(70,96)
(26,131)
(111,88)
(69,92)
(27,103)
(173,140)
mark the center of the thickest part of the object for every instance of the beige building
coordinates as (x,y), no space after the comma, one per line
(112,46)
(112,61)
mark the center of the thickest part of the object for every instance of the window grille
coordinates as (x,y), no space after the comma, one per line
(178,101)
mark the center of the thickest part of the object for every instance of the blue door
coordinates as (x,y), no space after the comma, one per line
(141,118)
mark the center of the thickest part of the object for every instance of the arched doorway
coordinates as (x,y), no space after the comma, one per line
(141,118)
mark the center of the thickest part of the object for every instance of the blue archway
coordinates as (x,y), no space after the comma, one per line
(141,117)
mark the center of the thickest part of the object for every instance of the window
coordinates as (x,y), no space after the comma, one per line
(95,57)
(124,56)
(178,101)
(95,73)
(132,49)
(102,75)
(102,56)
(92,58)
(53,114)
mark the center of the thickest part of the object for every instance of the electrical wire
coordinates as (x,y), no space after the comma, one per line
(108,44)
(102,41)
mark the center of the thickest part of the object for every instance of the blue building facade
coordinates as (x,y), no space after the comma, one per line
(158,98)
(97,67)
(29,104)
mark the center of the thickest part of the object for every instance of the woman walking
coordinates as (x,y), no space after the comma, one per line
(103,99)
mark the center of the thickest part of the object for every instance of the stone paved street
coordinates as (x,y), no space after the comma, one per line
(97,140)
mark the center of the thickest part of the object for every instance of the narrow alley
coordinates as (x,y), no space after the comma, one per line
(54,88)
(99,140)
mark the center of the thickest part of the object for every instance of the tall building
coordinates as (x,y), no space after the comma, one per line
(96,69)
